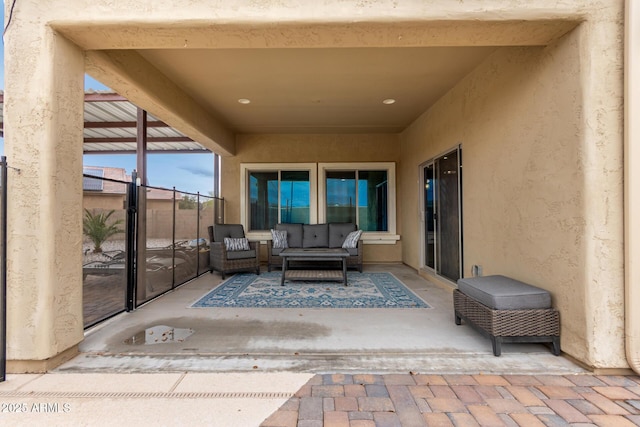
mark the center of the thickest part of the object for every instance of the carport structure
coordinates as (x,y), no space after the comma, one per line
(532,93)
(114,125)
(111,124)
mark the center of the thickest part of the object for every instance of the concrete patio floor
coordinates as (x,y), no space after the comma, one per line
(313,367)
(306,340)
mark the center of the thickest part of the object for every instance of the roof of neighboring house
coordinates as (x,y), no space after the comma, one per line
(105,186)
(159,194)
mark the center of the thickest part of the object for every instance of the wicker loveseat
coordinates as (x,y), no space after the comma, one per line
(226,261)
(331,235)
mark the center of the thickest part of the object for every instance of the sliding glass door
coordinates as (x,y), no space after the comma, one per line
(442,213)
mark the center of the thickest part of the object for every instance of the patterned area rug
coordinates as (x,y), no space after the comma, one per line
(365,290)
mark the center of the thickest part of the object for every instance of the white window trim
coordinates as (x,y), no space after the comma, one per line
(369,237)
(245,168)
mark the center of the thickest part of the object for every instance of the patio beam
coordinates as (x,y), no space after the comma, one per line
(141,163)
(111,125)
(104,97)
(131,75)
(149,150)
(129,139)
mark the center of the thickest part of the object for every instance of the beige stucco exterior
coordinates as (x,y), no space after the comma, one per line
(315,149)
(103,201)
(542,187)
(541,129)
(631,180)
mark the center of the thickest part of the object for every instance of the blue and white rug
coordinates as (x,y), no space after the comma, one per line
(365,290)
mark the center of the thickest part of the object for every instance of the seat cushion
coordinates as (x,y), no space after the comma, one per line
(352,251)
(241,254)
(503,293)
(294,234)
(315,235)
(338,231)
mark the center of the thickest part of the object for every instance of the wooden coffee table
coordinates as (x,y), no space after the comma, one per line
(312,255)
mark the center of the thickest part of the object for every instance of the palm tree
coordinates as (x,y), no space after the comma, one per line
(97,229)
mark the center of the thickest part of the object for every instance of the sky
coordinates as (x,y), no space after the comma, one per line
(190,173)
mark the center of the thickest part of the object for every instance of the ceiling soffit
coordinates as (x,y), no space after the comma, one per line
(204,34)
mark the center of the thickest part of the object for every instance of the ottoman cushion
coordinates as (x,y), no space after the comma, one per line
(503,293)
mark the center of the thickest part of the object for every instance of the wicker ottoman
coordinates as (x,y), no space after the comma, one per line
(507,311)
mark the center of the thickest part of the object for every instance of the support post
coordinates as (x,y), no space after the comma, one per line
(141,245)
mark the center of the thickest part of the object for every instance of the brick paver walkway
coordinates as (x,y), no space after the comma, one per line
(462,400)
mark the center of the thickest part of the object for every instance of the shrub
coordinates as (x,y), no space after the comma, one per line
(97,228)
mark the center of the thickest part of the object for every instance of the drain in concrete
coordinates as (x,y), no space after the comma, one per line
(159,334)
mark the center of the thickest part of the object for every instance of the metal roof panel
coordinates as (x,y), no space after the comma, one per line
(102,107)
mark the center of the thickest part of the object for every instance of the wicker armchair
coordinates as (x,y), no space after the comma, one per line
(225,261)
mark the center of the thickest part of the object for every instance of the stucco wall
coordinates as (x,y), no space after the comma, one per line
(314,148)
(43,139)
(542,191)
(101,201)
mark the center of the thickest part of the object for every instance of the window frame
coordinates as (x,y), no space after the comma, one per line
(371,237)
(246,168)
(317,194)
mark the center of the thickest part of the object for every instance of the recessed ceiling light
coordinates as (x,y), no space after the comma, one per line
(389,101)
(244,101)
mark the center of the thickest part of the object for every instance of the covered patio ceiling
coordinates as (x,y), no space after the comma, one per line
(215,81)
(326,90)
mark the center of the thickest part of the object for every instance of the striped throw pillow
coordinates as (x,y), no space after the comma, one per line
(236,244)
(279,238)
(351,241)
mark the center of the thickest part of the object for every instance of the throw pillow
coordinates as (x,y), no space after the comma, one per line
(279,238)
(236,244)
(351,241)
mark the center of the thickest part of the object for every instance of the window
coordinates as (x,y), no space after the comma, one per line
(341,196)
(294,197)
(359,197)
(277,194)
(363,193)
(263,199)
(373,187)
(312,193)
